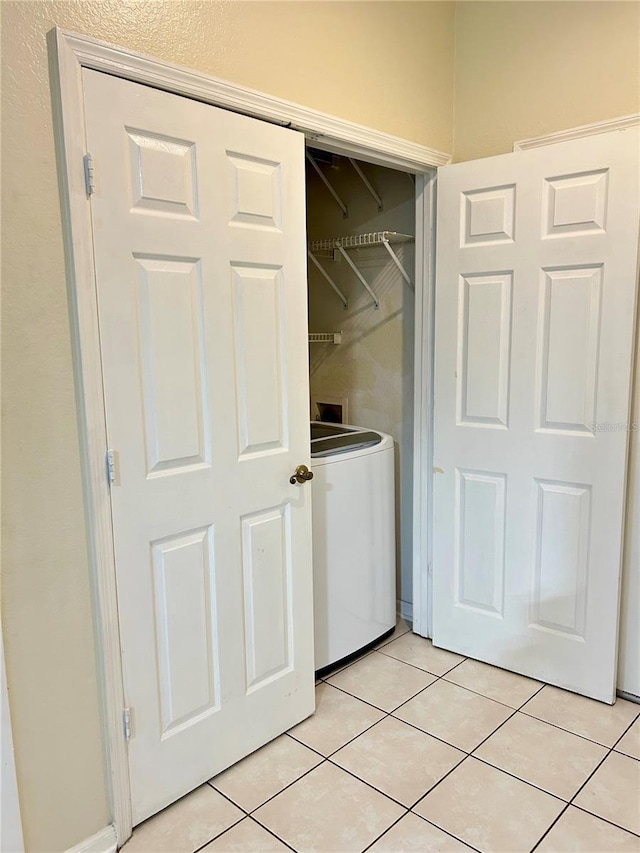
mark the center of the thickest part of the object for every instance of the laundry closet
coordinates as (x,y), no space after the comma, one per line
(361,229)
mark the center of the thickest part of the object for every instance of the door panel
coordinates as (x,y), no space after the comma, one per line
(200,257)
(535,303)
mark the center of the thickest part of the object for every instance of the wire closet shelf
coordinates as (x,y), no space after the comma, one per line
(359,241)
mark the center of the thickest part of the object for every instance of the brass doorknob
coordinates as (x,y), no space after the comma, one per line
(301,475)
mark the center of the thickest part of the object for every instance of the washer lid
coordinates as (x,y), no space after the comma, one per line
(322,429)
(344,442)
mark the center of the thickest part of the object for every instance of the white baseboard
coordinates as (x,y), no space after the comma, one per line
(102,842)
(404,609)
(630,697)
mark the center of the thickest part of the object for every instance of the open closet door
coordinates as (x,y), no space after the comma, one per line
(200,254)
(535,317)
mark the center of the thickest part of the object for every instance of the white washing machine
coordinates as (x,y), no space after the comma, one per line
(354,550)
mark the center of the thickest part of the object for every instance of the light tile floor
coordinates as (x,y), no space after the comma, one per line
(416,749)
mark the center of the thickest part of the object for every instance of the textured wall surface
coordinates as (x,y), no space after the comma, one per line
(525,69)
(357,60)
(373,367)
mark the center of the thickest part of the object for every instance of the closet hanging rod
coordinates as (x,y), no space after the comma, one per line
(361,241)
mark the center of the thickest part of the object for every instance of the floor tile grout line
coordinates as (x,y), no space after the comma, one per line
(435,785)
(217,835)
(368,784)
(429,734)
(635,720)
(252,813)
(439,782)
(549,828)
(421,668)
(337,766)
(378,837)
(346,743)
(302,743)
(384,710)
(625,754)
(562,729)
(447,832)
(572,802)
(391,657)
(271,832)
(605,819)
(392,639)
(386,714)
(483,695)
(514,712)
(226,796)
(392,714)
(520,778)
(590,776)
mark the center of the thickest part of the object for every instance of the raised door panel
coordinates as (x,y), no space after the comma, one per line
(199,235)
(562,535)
(163,174)
(186,629)
(267,579)
(536,277)
(480,541)
(568,343)
(260,367)
(173,362)
(485,349)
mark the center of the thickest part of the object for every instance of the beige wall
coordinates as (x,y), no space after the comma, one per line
(373,367)
(357,60)
(528,68)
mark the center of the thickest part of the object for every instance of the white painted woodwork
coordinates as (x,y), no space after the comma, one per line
(580,132)
(11,839)
(326,131)
(535,305)
(629,653)
(199,241)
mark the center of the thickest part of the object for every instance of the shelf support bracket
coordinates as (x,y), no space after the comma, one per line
(359,275)
(343,207)
(395,260)
(326,275)
(367,183)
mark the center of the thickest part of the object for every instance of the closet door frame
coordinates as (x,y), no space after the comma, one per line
(69,53)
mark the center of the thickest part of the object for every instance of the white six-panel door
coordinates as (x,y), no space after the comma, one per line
(199,233)
(536,292)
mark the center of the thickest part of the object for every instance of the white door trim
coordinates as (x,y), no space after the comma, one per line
(69,53)
(11,838)
(579,132)
(423,404)
(327,131)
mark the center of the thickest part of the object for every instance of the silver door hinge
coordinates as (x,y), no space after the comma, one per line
(89,177)
(113,468)
(126,723)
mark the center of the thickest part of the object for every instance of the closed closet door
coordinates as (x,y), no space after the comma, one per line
(535,305)
(199,230)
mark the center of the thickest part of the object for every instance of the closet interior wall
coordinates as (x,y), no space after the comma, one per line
(373,366)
